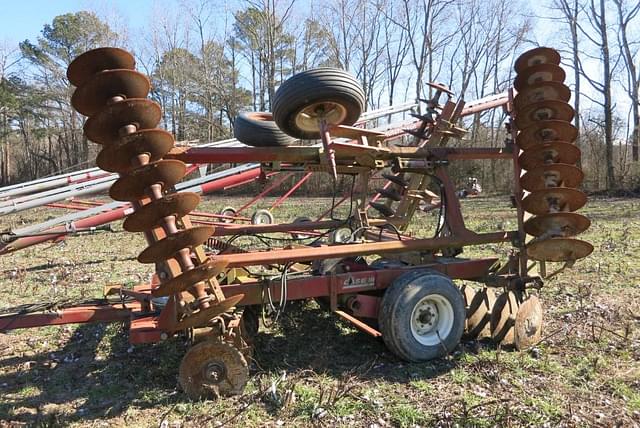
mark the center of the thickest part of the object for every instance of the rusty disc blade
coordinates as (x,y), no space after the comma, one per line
(187,279)
(97,60)
(539,73)
(150,215)
(546,131)
(211,369)
(168,246)
(503,318)
(546,153)
(559,249)
(543,91)
(155,143)
(554,199)
(479,314)
(94,94)
(544,110)
(541,55)
(557,224)
(203,316)
(135,184)
(104,127)
(528,326)
(552,175)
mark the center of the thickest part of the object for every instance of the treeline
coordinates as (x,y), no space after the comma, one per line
(206,65)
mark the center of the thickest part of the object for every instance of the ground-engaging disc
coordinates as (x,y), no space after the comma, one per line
(552,175)
(543,91)
(211,369)
(479,314)
(544,110)
(135,183)
(547,153)
(503,318)
(151,215)
(557,225)
(546,131)
(104,127)
(97,60)
(528,326)
(168,246)
(118,157)
(541,55)
(553,199)
(559,249)
(538,73)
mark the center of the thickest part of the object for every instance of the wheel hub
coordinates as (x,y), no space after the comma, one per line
(427,317)
(308,118)
(214,372)
(431,319)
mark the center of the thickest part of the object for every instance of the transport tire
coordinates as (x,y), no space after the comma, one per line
(322,92)
(258,129)
(422,316)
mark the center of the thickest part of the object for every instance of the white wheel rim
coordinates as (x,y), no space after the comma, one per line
(308,118)
(262,218)
(432,320)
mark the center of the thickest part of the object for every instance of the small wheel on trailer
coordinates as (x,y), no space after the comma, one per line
(228,212)
(297,235)
(325,93)
(262,217)
(422,316)
(211,369)
(342,235)
(258,129)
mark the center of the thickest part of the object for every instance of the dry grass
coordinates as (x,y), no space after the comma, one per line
(314,370)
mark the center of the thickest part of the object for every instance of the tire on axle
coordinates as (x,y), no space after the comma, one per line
(325,93)
(262,217)
(422,316)
(258,129)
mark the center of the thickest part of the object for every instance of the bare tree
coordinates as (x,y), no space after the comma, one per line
(626,14)
(598,34)
(570,10)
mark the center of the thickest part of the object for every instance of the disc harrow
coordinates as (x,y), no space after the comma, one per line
(124,122)
(407,295)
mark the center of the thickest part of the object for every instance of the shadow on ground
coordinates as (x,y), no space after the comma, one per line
(95,374)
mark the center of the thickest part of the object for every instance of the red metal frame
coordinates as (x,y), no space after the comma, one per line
(361,288)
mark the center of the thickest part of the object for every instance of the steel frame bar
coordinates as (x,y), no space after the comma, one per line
(268,189)
(354,282)
(306,254)
(72,315)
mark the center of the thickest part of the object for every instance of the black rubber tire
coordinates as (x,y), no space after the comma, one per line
(397,308)
(313,86)
(258,129)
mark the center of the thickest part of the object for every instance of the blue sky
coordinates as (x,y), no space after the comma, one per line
(24,19)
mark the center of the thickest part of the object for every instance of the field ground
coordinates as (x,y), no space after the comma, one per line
(310,368)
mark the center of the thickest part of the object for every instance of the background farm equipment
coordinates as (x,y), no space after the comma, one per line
(406,294)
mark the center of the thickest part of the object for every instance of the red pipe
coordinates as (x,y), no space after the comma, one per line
(264,192)
(293,189)
(225,182)
(59,231)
